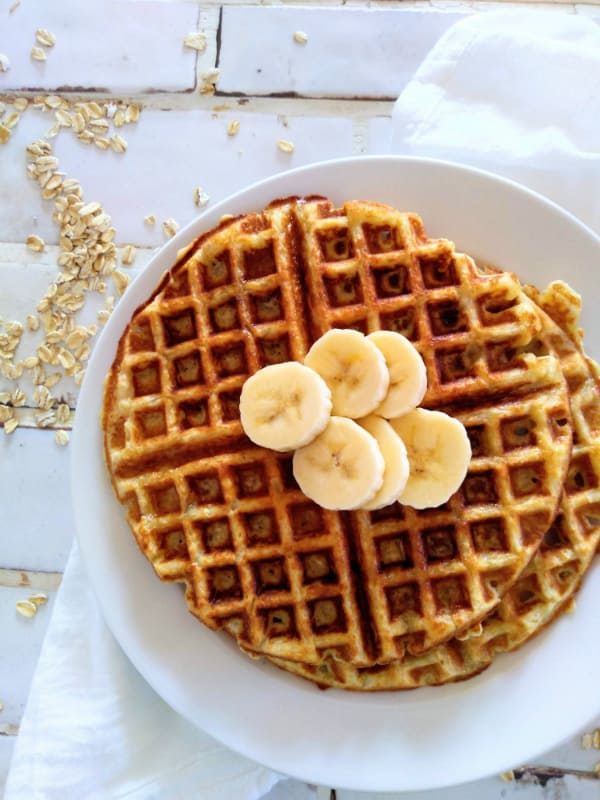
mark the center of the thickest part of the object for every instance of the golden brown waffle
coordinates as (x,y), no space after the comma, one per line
(208,508)
(546,587)
(371,267)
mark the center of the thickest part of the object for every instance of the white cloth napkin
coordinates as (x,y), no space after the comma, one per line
(517,93)
(93,729)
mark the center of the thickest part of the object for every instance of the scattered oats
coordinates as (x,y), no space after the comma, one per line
(54,182)
(87,137)
(4,63)
(52,380)
(200,198)
(509,776)
(64,118)
(128,255)
(78,376)
(597,768)
(61,438)
(586,741)
(45,37)
(233,127)
(45,419)
(83,352)
(92,330)
(285,146)
(66,359)
(300,37)
(26,608)
(37,54)
(38,376)
(195,41)
(170,227)
(102,142)
(4,134)
(11,120)
(103,316)
(4,398)
(20,103)
(132,113)
(38,599)
(78,122)
(44,353)
(209,80)
(30,362)
(121,281)
(6,412)
(53,101)
(35,243)
(99,125)
(89,208)
(94,110)
(18,398)
(14,328)
(596,739)
(52,132)
(150,219)
(11,425)
(14,6)
(118,144)
(119,118)
(63,413)
(39,148)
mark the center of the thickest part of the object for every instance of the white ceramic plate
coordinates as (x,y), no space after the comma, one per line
(523,705)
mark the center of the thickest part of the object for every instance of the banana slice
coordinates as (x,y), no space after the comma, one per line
(395,474)
(284,406)
(408,376)
(439,453)
(353,368)
(342,468)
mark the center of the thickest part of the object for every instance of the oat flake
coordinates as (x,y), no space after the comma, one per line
(285,146)
(37,54)
(26,608)
(61,438)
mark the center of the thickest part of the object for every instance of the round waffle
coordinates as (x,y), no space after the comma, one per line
(547,586)
(208,508)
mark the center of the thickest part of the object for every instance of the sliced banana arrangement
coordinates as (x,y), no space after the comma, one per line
(408,376)
(354,369)
(343,468)
(351,415)
(439,453)
(395,459)
(284,406)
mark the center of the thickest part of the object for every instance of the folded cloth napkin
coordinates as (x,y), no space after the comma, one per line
(94,729)
(517,93)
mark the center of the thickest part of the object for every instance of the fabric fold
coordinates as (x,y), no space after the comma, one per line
(516,93)
(93,728)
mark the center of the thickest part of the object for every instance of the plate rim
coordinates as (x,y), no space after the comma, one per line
(167,253)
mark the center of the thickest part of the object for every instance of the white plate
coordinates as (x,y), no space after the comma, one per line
(525,704)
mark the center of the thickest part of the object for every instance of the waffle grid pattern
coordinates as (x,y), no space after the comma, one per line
(451,565)
(239,299)
(544,590)
(373,268)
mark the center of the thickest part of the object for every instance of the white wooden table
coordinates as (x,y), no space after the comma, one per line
(331,96)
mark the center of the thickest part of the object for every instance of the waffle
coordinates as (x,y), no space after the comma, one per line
(210,509)
(547,586)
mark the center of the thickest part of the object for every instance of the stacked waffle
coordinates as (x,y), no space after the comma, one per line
(388,599)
